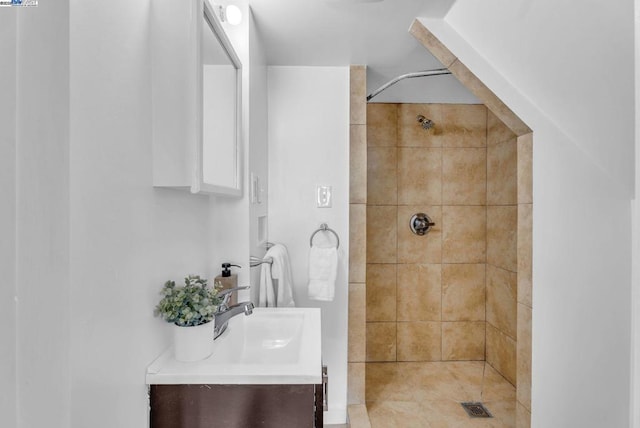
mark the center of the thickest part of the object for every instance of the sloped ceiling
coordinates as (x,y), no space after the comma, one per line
(343,32)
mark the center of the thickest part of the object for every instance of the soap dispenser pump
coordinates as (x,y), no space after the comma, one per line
(228,280)
(226,269)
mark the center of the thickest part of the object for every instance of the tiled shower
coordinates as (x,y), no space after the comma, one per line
(450,295)
(462,295)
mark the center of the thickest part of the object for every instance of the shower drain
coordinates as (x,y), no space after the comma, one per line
(476,410)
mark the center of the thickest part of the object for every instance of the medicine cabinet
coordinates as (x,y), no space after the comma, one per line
(196,80)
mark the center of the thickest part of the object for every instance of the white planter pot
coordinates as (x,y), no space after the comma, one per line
(193,343)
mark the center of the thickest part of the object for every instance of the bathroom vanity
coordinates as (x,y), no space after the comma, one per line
(236,406)
(265,371)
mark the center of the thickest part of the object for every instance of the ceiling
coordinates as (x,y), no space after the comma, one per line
(372,33)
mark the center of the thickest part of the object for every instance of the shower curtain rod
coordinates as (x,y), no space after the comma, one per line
(437,72)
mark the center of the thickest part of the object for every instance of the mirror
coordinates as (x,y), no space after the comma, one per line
(220,155)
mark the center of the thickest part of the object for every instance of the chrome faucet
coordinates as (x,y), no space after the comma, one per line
(224,313)
(226,294)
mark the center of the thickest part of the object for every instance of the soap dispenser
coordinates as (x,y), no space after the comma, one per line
(228,280)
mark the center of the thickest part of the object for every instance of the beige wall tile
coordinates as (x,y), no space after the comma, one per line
(501,300)
(495,386)
(419,341)
(524,356)
(501,353)
(381,234)
(464,125)
(419,292)
(381,341)
(355,383)
(358,164)
(523,416)
(502,180)
(493,103)
(497,131)
(382,125)
(357,242)
(381,292)
(411,133)
(525,169)
(525,212)
(358,416)
(463,234)
(382,183)
(463,340)
(464,176)
(419,176)
(358,95)
(456,125)
(502,224)
(463,292)
(467,78)
(413,248)
(431,42)
(357,336)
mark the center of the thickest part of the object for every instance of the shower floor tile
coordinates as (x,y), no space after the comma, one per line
(428,395)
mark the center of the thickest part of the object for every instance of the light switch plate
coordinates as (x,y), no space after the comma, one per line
(255,189)
(324,196)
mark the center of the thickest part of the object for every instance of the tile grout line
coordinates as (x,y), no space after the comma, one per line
(395,145)
(441,247)
(486,228)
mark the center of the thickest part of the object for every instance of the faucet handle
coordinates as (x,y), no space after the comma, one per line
(228,291)
(225,294)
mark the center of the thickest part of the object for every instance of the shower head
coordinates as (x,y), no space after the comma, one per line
(424,122)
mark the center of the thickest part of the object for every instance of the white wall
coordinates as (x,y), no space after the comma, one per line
(573,60)
(308,123)
(8,217)
(42,215)
(635,302)
(127,238)
(258,161)
(561,82)
(90,240)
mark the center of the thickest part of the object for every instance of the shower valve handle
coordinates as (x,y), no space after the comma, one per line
(420,224)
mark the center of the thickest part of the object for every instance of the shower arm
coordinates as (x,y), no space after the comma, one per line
(437,72)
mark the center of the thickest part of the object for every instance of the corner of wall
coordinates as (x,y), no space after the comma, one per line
(258,169)
(8,293)
(356,354)
(635,252)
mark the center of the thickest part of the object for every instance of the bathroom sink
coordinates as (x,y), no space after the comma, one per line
(271,346)
(274,337)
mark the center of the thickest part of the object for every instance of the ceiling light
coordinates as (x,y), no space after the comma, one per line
(231,14)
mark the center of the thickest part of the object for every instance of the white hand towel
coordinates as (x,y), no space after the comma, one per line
(323,268)
(266,296)
(280,270)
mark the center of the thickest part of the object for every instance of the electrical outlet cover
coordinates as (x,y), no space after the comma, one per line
(324,196)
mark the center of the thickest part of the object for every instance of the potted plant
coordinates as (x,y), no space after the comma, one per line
(190,308)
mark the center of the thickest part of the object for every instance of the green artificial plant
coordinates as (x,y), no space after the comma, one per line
(189,305)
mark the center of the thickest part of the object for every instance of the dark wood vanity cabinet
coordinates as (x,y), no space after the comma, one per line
(236,406)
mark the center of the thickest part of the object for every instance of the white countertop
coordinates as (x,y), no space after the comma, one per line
(271,346)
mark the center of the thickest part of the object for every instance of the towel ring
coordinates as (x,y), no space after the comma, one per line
(324,228)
